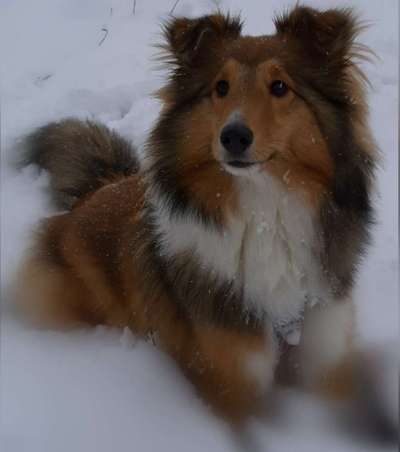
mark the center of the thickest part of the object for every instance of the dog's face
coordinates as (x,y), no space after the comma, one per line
(239,105)
(260,123)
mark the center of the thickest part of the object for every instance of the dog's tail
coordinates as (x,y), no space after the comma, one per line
(80,157)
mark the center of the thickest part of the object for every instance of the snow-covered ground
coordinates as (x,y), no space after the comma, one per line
(100,390)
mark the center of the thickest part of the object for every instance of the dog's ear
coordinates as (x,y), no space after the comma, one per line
(327,36)
(192,41)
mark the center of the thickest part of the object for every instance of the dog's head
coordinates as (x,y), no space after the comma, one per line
(290,104)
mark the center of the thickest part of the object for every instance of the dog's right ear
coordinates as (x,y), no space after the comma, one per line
(189,42)
(328,37)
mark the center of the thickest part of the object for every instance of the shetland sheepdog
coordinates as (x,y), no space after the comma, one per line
(235,244)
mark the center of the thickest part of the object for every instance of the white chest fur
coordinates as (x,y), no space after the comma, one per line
(268,249)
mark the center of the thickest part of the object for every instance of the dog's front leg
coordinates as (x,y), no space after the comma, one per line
(232,369)
(326,346)
(331,363)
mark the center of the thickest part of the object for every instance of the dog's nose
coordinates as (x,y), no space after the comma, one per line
(236,138)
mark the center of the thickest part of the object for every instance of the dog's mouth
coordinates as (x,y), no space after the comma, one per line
(240,164)
(244,164)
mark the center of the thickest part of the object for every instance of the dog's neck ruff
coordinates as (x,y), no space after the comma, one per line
(268,250)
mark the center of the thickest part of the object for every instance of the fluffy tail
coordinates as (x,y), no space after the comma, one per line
(80,156)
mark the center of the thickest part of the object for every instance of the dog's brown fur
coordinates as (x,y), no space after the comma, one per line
(91,266)
(97,156)
(99,263)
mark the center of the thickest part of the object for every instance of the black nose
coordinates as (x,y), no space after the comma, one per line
(236,138)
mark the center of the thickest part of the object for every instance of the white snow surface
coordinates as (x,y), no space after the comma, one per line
(100,389)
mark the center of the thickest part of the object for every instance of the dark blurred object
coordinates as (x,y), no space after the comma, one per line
(375,411)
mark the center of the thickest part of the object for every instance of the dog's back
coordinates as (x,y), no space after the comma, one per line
(68,275)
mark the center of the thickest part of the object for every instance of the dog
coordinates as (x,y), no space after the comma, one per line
(235,244)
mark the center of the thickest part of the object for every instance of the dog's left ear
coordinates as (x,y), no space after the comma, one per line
(326,36)
(192,41)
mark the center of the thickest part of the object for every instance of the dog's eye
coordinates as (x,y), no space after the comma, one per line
(222,88)
(278,88)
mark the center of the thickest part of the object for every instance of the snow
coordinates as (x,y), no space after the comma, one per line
(101,389)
